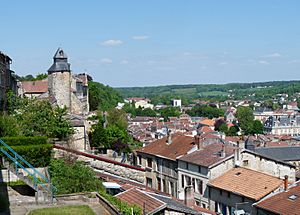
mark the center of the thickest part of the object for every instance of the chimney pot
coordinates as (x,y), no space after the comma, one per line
(286,182)
(189,199)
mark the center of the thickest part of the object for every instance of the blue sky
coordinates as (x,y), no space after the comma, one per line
(146,43)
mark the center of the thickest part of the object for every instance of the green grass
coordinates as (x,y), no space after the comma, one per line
(64,210)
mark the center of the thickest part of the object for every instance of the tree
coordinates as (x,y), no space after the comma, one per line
(258,127)
(117,117)
(232,131)
(246,118)
(9,126)
(206,111)
(102,97)
(218,123)
(223,128)
(169,112)
(40,118)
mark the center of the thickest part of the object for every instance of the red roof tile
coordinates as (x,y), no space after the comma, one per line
(141,199)
(180,145)
(283,202)
(35,86)
(209,155)
(246,182)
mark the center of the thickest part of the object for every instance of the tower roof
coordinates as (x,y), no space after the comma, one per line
(60,63)
(60,54)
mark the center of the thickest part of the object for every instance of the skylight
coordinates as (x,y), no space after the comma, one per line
(293,197)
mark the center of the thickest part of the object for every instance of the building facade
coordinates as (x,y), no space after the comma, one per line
(8,81)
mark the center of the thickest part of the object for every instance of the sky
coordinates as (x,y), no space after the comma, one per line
(128,43)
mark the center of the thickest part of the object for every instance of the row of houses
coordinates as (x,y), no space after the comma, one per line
(224,177)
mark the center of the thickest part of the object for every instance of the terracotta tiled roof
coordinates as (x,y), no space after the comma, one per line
(283,202)
(206,129)
(233,139)
(180,145)
(141,199)
(246,182)
(209,136)
(209,155)
(35,86)
(208,122)
(276,144)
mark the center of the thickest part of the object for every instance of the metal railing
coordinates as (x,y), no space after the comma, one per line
(20,162)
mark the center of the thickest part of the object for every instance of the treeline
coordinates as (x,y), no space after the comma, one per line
(213,92)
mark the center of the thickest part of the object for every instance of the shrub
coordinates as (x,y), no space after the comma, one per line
(73,177)
(17,141)
(36,155)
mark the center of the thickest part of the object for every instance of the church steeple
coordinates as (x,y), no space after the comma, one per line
(60,63)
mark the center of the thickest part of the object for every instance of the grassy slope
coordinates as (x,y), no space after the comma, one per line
(64,210)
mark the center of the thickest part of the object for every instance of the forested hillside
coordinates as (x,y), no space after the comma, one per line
(254,91)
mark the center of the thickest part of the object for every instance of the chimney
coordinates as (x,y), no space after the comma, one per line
(189,199)
(286,182)
(169,138)
(237,155)
(199,141)
(223,153)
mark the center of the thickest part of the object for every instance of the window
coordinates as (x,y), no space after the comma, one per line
(199,169)
(194,183)
(158,183)
(186,165)
(172,191)
(139,160)
(149,182)
(228,194)
(149,162)
(200,186)
(188,180)
(182,181)
(164,185)
(246,162)
(221,192)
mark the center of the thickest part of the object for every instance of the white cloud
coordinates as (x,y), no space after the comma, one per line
(141,37)
(112,42)
(263,62)
(124,62)
(273,55)
(106,61)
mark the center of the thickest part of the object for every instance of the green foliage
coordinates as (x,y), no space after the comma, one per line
(123,207)
(258,127)
(223,128)
(73,177)
(39,76)
(213,92)
(246,118)
(9,126)
(129,108)
(17,141)
(117,117)
(206,111)
(232,131)
(102,97)
(36,155)
(64,210)
(169,112)
(40,118)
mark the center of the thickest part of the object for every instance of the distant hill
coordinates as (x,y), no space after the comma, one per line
(253,91)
